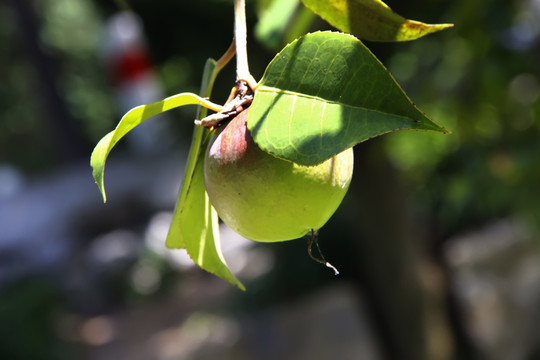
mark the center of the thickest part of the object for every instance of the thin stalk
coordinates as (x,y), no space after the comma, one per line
(322,260)
(225,58)
(240,36)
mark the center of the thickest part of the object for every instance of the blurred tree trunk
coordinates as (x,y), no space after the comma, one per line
(66,138)
(388,253)
(391,252)
(465,349)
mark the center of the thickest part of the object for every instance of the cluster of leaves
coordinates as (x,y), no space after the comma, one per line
(320,95)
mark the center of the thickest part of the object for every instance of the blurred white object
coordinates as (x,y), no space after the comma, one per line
(496,274)
(131,69)
(11,181)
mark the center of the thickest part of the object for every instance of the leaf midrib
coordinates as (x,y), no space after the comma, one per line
(269,89)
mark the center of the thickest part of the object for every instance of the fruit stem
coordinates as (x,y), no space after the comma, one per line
(240,38)
(323,261)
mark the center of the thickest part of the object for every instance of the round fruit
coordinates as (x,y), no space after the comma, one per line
(264,198)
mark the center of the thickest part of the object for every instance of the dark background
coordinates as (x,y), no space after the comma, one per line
(436,241)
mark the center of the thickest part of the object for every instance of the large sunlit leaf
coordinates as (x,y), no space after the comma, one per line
(195,224)
(324,93)
(129,121)
(370,20)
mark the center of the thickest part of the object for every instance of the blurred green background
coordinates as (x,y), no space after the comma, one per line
(436,241)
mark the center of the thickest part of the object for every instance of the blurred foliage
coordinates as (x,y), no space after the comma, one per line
(20,122)
(28,310)
(69,34)
(480,79)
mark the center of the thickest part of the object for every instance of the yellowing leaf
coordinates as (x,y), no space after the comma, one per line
(371,20)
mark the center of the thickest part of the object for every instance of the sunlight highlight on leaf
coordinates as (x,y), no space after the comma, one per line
(324,93)
(195,224)
(196,228)
(129,121)
(371,20)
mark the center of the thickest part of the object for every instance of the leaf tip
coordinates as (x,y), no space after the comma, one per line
(439,27)
(97,173)
(241,286)
(101,187)
(103,194)
(440,129)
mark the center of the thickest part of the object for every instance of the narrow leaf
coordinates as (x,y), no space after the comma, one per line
(129,121)
(195,224)
(197,228)
(324,93)
(371,20)
(181,229)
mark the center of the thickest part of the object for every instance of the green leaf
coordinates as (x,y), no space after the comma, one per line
(324,93)
(129,121)
(180,229)
(274,21)
(197,229)
(370,20)
(195,224)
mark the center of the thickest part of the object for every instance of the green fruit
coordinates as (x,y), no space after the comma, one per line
(264,198)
